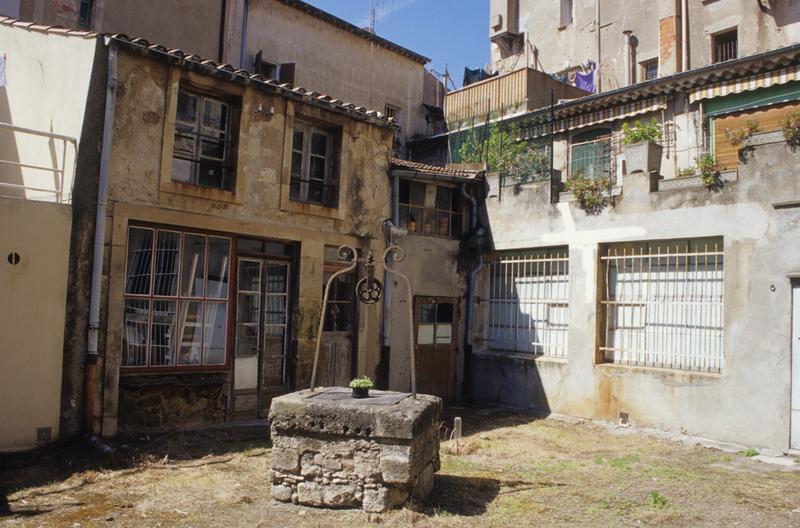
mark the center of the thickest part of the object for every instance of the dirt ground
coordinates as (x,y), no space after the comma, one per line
(511,470)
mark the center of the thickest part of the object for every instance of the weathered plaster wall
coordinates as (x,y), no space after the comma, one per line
(141,190)
(331,60)
(33,296)
(656,29)
(748,402)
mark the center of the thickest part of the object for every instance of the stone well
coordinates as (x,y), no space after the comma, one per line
(331,450)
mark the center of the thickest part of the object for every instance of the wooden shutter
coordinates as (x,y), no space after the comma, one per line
(286,73)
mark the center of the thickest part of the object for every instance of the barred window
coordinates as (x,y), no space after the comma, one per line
(529,301)
(590,154)
(663,304)
(175,299)
(649,69)
(725,46)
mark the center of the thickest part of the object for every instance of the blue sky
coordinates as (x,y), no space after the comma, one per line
(451,32)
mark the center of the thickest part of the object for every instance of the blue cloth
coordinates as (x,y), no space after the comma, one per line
(585,81)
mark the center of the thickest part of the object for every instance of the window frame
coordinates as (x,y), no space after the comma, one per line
(330,178)
(566,14)
(644,68)
(228,164)
(451,213)
(726,37)
(599,135)
(205,300)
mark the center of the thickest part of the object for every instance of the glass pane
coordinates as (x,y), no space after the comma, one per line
(193,267)
(297,164)
(444,198)
(182,170)
(444,334)
(247,340)
(191,316)
(184,144)
(414,220)
(427,313)
(429,225)
(317,170)
(316,192)
(276,279)
(215,114)
(140,252)
(162,333)
(166,273)
(276,310)
(219,250)
(430,196)
(211,173)
(249,276)
(213,149)
(444,313)
(297,140)
(187,108)
(417,193)
(339,316)
(319,144)
(273,356)
(443,223)
(216,323)
(425,334)
(134,336)
(404,216)
(405,191)
(343,289)
(456,226)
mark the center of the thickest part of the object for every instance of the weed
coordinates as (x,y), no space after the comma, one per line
(623,462)
(656,499)
(751,452)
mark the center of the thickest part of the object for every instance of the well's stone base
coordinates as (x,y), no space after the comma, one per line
(333,451)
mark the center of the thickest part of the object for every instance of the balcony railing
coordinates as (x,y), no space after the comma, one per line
(25,174)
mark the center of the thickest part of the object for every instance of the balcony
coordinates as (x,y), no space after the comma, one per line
(512,93)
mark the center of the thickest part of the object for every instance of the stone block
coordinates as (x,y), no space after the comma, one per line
(286,459)
(340,495)
(282,493)
(395,469)
(310,493)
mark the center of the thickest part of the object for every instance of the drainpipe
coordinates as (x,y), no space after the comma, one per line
(244,34)
(684,35)
(597,30)
(99,235)
(222,17)
(627,57)
(473,222)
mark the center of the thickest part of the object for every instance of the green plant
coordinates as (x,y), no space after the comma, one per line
(709,171)
(688,172)
(361,383)
(740,135)
(591,193)
(656,499)
(530,164)
(790,126)
(641,132)
(751,452)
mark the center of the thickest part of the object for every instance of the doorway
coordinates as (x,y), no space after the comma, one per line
(436,329)
(262,319)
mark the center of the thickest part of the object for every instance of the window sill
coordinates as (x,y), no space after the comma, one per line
(661,371)
(181,370)
(196,191)
(293,206)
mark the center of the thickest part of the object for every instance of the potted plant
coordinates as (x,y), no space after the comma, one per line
(361,387)
(709,171)
(642,153)
(790,126)
(590,193)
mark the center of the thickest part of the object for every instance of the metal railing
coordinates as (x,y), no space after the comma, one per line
(663,306)
(58,191)
(529,302)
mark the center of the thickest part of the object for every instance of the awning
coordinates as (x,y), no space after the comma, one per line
(605,115)
(745,84)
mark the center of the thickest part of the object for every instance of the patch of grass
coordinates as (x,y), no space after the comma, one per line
(751,452)
(656,499)
(673,473)
(623,462)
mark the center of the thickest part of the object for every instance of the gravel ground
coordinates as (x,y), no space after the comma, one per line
(509,470)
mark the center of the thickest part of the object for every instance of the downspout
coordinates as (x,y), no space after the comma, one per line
(222,16)
(597,30)
(473,222)
(685,35)
(627,57)
(99,235)
(244,34)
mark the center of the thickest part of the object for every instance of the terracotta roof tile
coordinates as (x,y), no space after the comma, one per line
(434,169)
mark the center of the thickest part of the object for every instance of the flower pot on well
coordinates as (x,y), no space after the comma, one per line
(360,392)
(643,157)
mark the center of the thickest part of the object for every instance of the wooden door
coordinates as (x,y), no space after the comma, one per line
(337,346)
(436,334)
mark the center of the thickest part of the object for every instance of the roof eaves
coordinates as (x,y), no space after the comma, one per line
(363,33)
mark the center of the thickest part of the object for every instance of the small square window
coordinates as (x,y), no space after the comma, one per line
(204,146)
(725,46)
(566,13)
(649,69)
(430,209)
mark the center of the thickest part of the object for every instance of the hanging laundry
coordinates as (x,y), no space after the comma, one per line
(585,80)
(3,80)
(473,76)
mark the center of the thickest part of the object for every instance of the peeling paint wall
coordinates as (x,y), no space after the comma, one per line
(141,191)
(748,402)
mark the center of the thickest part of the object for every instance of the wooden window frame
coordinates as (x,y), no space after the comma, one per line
(566,13)
(330,179)
(603,135)
(725,37)
(452,213)
(644,67)
(178,298)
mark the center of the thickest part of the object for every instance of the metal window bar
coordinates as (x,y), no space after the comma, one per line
(593,158)
(726,46)
(58,191)
(529,302)
(663,306)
